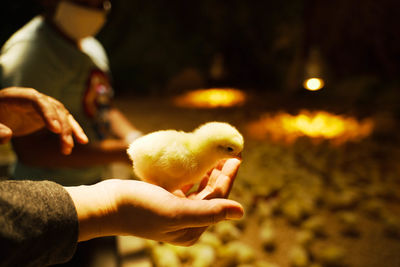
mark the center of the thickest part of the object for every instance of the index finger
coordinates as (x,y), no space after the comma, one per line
(60,121)
(48,112)
(77,130)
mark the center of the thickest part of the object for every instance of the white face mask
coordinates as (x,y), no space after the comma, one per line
(77,21)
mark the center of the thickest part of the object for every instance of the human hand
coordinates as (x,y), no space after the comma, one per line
(127,207)
(217,183)
(25,110)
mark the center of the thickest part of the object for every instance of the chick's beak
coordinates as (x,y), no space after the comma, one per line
(239,156)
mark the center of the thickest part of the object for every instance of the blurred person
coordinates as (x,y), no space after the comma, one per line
(57,54)
(41,221)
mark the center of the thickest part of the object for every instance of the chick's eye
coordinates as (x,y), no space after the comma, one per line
(230,149)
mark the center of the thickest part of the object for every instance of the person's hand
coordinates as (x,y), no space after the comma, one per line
(216,184)
(25,110)
(127,207)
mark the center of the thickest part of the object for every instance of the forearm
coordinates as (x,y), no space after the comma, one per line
(43,150)
(120,125)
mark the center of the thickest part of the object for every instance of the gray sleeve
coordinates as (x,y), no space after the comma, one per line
(38,224)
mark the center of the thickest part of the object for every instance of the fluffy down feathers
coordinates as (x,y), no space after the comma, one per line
(172,159)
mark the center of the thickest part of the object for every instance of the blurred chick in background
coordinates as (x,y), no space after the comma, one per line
(173,159)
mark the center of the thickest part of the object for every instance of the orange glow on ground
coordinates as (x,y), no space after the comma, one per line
(316,125)
(211,98)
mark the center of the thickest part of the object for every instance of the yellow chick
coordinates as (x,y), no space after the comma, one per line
(172,159)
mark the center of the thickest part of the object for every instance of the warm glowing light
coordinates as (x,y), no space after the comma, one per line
(316,125)
(211,98)
(313,84)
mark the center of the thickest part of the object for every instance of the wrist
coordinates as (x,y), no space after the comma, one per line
(132,136)
(95,209)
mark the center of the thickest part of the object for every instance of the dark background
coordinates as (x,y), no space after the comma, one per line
(264,44)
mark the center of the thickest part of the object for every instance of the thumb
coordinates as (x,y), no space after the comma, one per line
(198,213)
(5,134)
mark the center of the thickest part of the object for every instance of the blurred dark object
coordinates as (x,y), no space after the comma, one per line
(261,45)
(159,40)
(14,14)
(357,36)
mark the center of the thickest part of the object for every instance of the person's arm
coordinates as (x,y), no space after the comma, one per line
(121,127)
(128,207)
(40,148)
(41,222)
(38,223)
